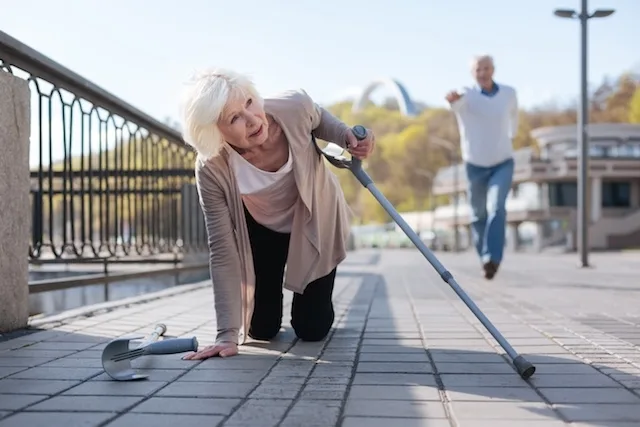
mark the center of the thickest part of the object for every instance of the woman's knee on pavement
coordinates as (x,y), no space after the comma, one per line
(313,329)
(312,313)
(264,333)
(265,329)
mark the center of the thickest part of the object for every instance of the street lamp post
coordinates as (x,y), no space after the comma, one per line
(456,201)
(583,121)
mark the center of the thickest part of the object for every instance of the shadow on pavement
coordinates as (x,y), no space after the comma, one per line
(392,362)
(375,363)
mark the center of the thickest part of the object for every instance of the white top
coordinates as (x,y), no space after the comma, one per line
(270,197)
(251,179)
(487,125)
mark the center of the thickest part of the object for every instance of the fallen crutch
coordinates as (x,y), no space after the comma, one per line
(117,356)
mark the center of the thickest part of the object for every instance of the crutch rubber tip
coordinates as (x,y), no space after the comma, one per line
(524,367)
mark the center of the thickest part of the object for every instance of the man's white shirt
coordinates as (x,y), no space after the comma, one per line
(487,124)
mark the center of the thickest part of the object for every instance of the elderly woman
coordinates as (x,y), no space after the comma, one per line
(269,201)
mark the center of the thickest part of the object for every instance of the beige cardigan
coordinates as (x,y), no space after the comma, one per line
(321,223)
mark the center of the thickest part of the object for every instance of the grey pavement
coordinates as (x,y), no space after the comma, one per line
(404,351)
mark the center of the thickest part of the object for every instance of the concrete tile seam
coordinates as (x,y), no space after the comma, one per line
(369,304)
(444,398)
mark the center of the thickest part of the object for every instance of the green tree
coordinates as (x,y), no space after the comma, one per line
(634,107)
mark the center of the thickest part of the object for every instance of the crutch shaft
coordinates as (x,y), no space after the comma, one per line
(524,367)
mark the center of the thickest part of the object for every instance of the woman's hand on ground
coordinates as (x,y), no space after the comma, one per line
(225,349)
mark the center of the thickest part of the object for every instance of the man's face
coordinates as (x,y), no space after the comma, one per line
(483,72)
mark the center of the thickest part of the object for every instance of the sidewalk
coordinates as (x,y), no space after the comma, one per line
(580,327)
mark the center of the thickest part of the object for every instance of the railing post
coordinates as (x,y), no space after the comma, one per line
(15,217)
(194,231)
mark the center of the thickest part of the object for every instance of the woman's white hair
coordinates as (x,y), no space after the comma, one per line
(203,101)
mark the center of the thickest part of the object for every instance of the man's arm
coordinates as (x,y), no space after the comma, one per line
(457,101)
(224,262)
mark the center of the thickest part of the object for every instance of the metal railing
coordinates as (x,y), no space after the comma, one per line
(107,180)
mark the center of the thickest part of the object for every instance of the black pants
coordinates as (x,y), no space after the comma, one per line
(312,312)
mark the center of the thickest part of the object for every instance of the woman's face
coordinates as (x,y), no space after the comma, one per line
(243,122)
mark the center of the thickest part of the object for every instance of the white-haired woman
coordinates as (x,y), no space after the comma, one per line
(269,201)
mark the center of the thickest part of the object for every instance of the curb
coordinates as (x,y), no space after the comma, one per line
(91,310)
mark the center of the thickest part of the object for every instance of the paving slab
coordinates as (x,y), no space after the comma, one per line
(404,350)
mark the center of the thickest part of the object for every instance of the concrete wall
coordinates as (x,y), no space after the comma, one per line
(15,216)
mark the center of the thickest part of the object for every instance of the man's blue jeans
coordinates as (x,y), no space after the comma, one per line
(487,193)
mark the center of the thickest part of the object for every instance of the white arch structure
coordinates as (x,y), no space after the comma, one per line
(400,93)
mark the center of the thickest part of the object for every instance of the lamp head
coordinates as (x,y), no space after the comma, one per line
(602,13)
(565,13)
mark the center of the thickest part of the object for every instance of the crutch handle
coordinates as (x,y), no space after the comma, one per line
(360,133)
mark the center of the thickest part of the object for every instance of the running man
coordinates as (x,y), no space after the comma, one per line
(487,116)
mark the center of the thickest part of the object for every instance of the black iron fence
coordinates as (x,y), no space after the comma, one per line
(107,180)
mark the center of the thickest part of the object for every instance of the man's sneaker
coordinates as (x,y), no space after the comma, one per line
(490,270)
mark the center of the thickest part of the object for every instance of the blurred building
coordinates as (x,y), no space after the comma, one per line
(542,205)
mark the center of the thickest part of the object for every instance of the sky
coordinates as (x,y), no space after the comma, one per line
(142,51)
